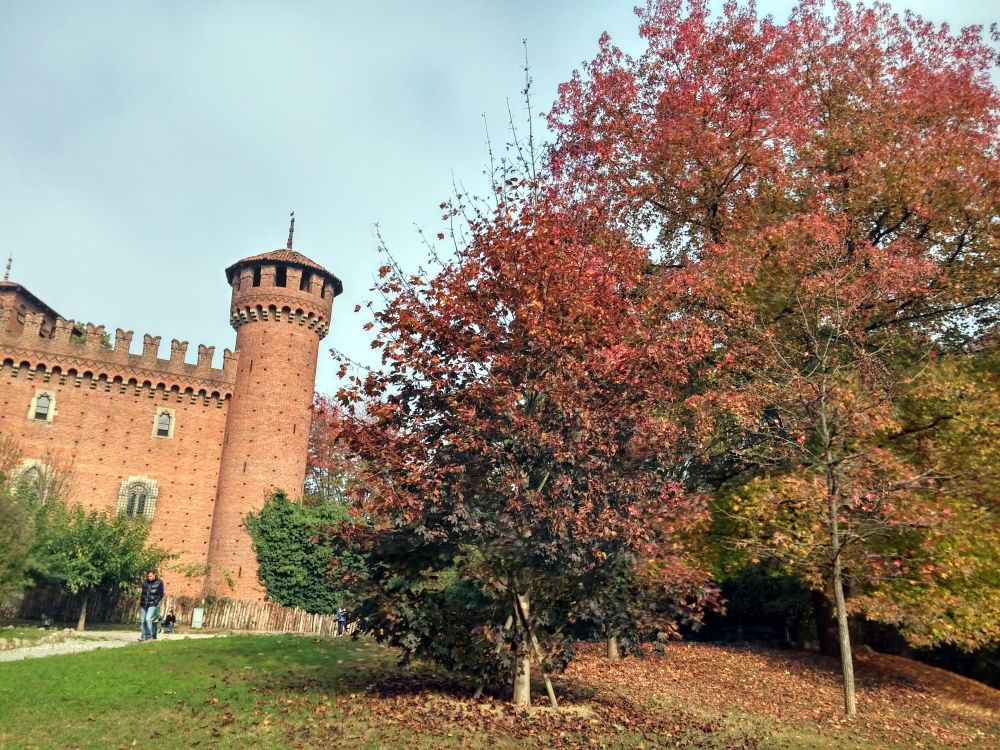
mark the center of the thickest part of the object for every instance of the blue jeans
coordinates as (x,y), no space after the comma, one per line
(147,619)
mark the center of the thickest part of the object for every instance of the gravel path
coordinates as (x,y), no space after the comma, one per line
(94,639)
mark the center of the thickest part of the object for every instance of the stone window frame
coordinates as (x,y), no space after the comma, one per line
(152,493)
(156,422)
(33,408)
(45,479)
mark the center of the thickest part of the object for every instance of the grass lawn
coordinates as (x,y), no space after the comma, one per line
(288,691)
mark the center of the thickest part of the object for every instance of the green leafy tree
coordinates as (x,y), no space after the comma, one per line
(17,530)
(17,537)
(85,552)
(947,590)
(295,560)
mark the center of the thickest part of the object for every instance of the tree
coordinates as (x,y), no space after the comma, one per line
(88,551)
(17,537)
(16,528)
(516,452)
(295,562)
(947,589)
(329,470)
(827,191)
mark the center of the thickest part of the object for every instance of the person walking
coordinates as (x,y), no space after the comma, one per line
(149,605)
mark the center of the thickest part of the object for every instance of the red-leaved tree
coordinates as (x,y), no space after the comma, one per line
(826,191)
(517,453)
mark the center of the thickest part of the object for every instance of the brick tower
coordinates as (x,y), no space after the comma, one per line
(281,307)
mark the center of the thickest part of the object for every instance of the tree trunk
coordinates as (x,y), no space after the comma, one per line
(836,548)
(844,637)
(82,622)
(522,657)
(839,603)
(613,653)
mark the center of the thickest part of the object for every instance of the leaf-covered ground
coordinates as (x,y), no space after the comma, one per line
(280,692)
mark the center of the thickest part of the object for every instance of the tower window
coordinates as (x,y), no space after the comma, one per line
(281,276)
(163,424)
(305,281)
(137,497)
(256,276)
(42,408)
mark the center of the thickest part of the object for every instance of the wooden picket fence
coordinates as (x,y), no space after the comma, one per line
(222,614)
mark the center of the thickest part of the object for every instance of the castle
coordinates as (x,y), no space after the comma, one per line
(189,446)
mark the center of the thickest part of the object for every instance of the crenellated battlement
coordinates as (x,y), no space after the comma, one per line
(154,429)
(306,319)
(90,353)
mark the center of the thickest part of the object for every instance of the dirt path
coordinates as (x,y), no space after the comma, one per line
(94,639)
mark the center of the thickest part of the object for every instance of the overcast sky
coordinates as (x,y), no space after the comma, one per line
(145,146)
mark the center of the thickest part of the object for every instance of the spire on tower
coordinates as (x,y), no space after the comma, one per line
(6,273)
(291,231)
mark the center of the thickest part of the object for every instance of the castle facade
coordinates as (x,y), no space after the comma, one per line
(190,446)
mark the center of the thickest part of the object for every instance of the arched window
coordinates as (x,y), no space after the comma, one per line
(137,497)
(35,478)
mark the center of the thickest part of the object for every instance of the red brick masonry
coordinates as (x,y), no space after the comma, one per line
(237,433)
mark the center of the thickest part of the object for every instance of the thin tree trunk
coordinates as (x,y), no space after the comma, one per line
(538,654)
(613,652)
(82,622)
(844,636)
(840,605)
(836,547)
(549,690)
(522,656)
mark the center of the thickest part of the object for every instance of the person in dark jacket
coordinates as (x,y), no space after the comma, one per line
(149,605)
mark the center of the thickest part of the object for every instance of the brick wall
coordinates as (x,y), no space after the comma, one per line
(102,430)
(236,432)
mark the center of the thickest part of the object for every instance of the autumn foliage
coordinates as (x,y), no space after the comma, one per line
(519,442)
(760,264)
(828,190)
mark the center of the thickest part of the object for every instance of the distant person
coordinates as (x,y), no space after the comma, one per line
(169,621)
(149,605)
(341,620)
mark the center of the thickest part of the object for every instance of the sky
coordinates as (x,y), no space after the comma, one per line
(145,146)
